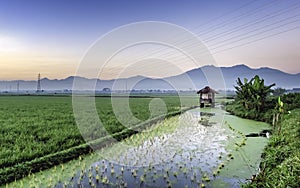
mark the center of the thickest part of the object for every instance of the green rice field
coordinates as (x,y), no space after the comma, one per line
(36,128)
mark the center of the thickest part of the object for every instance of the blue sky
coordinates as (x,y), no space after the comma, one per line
(51,37)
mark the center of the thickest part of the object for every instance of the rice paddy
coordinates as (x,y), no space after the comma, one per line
(178,152)
(163,156)
(205,148)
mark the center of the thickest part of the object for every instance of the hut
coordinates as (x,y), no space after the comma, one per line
(207,96)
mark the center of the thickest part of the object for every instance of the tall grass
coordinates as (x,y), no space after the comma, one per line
(280,166)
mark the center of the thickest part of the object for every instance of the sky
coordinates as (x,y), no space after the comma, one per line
(52,37)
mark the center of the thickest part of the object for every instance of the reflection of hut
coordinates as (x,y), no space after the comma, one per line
(207,95)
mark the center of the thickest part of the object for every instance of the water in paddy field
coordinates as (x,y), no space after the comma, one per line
(185,151)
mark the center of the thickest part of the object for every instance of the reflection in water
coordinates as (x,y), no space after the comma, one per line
(177,152)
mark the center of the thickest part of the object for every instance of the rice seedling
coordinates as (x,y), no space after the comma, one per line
(105,180)
(205,178)
(112,171)
(142,179)
(165,176)
(97,178)
(175,174)
(222,165)
(215,173)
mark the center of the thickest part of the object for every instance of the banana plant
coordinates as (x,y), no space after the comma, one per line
(279,109)
(253,93)
(243,92)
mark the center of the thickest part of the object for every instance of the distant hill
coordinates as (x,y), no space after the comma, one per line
(192,79)
(270,76)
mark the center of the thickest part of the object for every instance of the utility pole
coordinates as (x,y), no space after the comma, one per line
(126,85)
(18,87)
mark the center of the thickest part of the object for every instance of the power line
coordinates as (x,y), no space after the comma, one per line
(254,30)
(248,42)
(230,21)
(238,18)
(254,35)
(222,16)
(159,50)
(254,40)
(259,39)
(230,41)
(242,44)
(225,14)
(260,20)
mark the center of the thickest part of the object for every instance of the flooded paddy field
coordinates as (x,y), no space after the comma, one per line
(199,148)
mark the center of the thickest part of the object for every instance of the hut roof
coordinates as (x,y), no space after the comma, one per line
(207,89)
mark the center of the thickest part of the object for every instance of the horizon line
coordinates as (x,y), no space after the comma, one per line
(58,79)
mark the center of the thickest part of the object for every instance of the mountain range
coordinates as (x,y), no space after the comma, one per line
(216,77)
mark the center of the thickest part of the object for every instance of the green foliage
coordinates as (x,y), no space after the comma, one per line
(239,110)
(253,94)
(20,170)
(33,127)
(280,166)
(279,105)
(38,132)
(291,101)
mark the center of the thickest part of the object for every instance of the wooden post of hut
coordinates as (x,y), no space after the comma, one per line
(207,96)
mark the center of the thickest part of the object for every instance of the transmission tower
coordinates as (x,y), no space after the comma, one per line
(38,88)
(18,87)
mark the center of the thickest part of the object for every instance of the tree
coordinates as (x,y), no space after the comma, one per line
(252,94)
(260,91)
(243,93)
